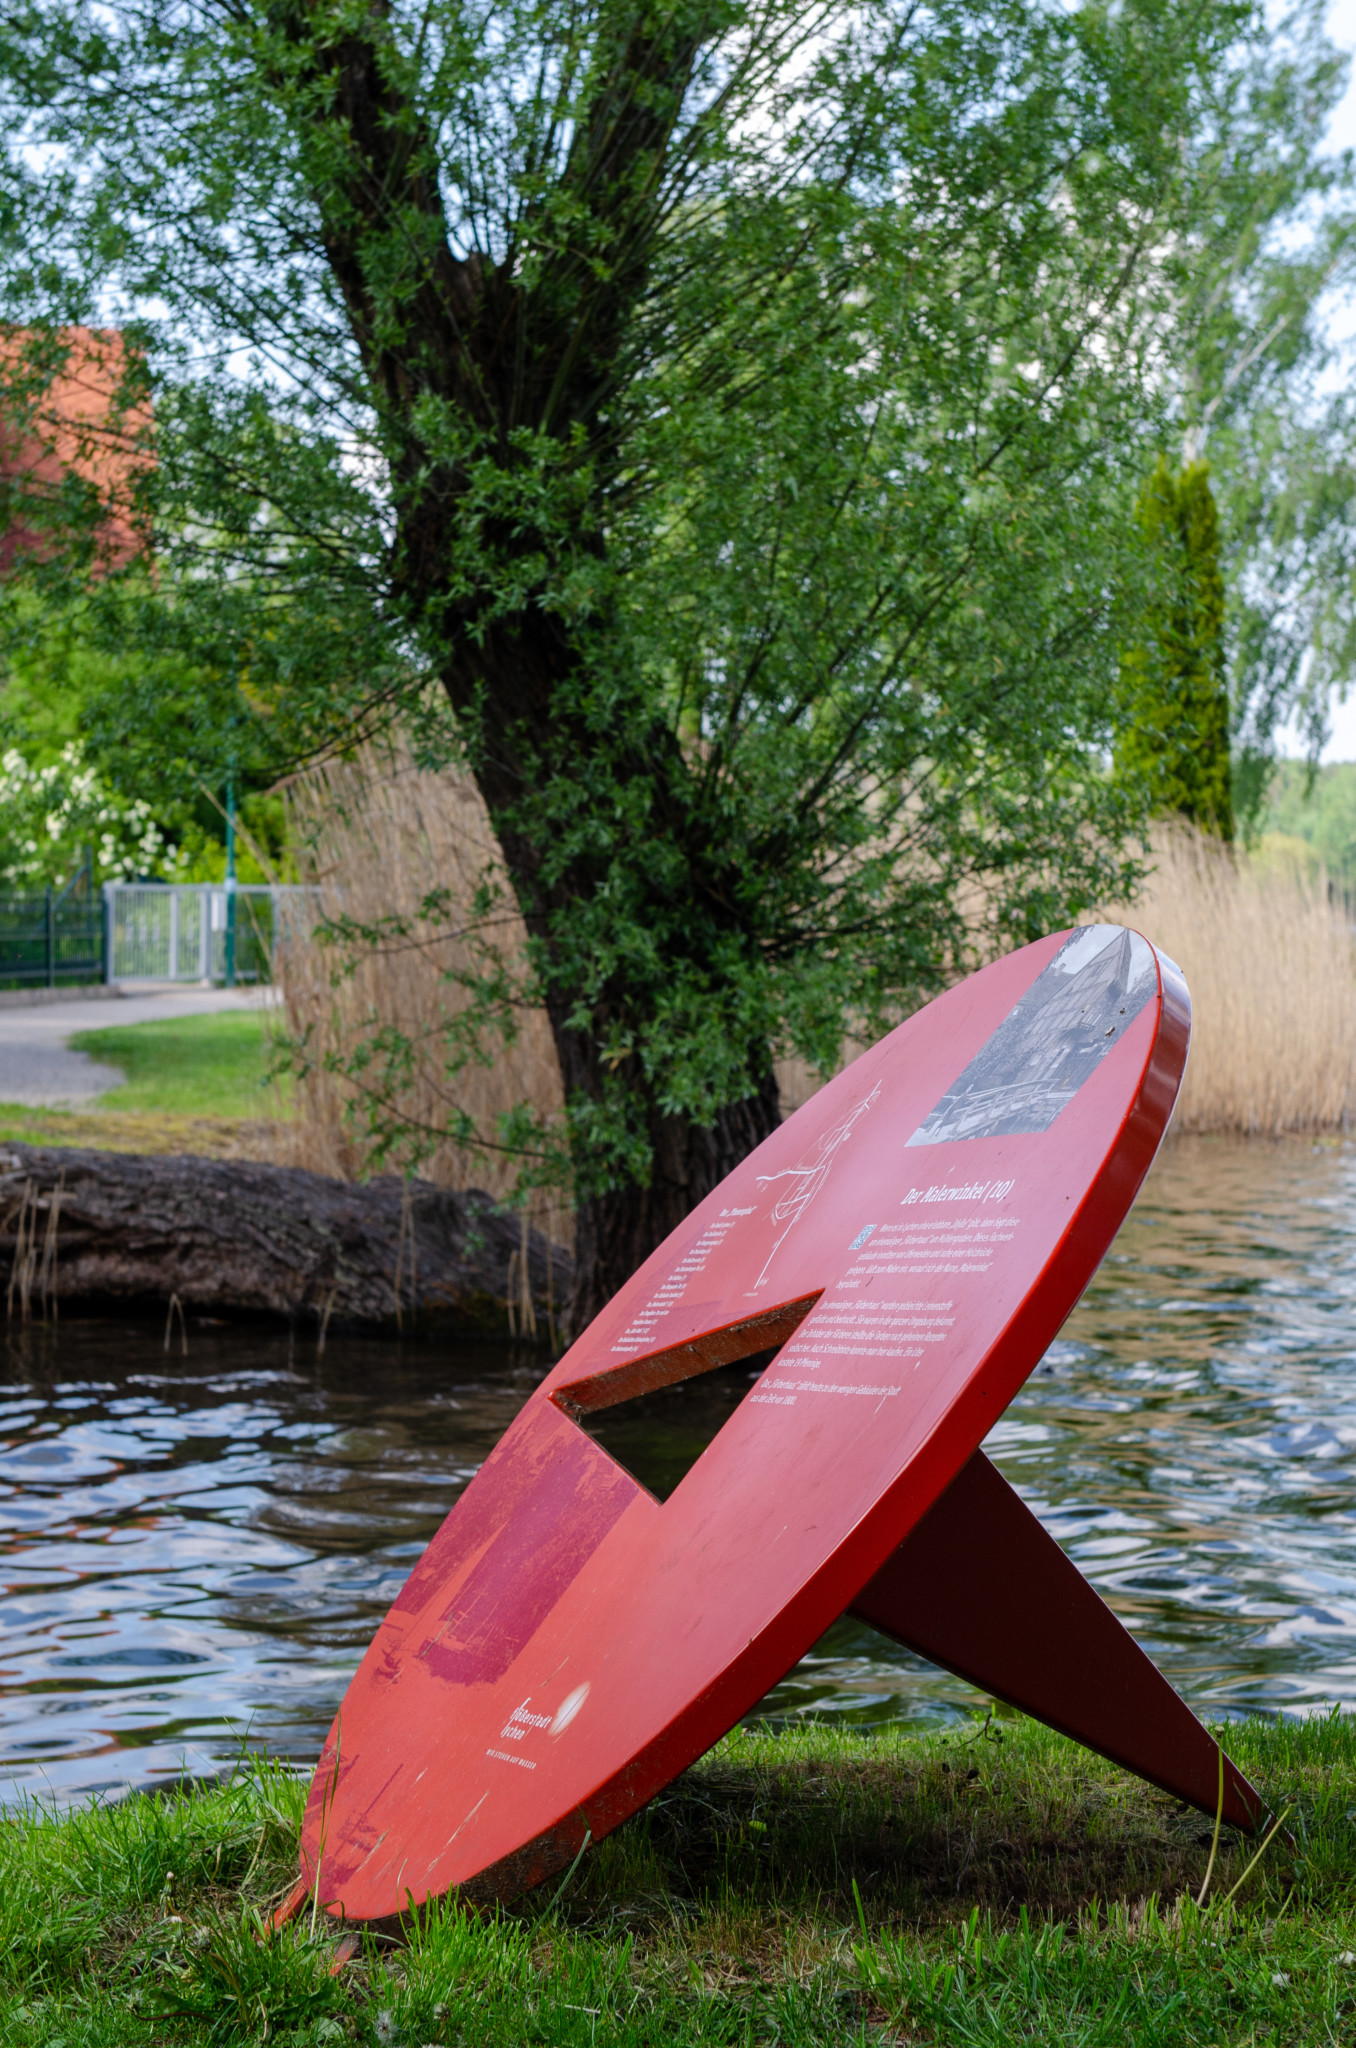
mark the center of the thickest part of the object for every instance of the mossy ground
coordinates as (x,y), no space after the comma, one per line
(121,1131)
(990,1886)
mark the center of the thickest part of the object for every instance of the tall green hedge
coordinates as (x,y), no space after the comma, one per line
(1175,725)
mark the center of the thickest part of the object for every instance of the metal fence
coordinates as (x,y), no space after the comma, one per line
(173,931)
(51,936)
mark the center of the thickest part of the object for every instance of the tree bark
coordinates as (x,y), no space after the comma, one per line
(126,1232)
(616,1231)
(521,352)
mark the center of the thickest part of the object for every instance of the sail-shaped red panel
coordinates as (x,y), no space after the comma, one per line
(911,1240)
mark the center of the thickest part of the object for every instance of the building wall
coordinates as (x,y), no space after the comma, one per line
(69,421)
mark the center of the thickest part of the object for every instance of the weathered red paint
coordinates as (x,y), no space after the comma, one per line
(913,1239)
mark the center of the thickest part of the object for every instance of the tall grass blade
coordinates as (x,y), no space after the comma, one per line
(1214,1845)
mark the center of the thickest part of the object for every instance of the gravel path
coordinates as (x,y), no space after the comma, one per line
(39,1069)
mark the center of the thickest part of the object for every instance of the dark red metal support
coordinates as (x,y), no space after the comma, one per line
(982,1589)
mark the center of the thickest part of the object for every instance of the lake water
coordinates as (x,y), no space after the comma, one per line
(197,1550)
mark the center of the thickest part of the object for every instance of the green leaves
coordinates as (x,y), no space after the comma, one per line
(738,413)
(1175,724)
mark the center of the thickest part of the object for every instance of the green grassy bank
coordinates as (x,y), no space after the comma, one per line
(204,1084)
(982,1887)
(213,1065)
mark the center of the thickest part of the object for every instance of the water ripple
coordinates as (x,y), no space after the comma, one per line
(196,1552)
(1191,1441)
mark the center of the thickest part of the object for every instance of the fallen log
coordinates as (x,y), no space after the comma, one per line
(227,1237)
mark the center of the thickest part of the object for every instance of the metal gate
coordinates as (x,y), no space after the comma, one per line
(51,936)
(177,931)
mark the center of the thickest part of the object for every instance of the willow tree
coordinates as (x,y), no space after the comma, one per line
(728,404)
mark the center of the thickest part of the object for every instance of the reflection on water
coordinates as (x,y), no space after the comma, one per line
(198,1550)
(1191,1441)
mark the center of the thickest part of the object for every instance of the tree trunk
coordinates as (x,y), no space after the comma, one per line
(521,682)
(615,1232)
(121,1231)
(527,353)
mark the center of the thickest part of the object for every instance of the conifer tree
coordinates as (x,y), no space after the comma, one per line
(1175,731)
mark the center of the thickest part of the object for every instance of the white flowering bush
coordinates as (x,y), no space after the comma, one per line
(49,815)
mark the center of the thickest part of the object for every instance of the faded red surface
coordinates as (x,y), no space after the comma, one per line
(75,425)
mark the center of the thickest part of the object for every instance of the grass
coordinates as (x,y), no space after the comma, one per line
(194,1084)
(210,1066)
(983,1887)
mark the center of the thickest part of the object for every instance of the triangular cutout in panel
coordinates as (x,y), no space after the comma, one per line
(658,1437)
(767,1331)
(655,1416)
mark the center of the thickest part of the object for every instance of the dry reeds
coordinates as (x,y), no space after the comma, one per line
(33,1266)
(1271,967)
(1269,960)
(377,837)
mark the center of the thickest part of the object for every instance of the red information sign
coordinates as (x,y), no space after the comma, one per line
(912,1240)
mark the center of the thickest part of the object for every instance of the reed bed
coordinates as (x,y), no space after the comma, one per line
(376,836)
(1269,959)
(1271,967)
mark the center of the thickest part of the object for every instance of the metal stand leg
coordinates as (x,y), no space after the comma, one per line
(980,1588)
